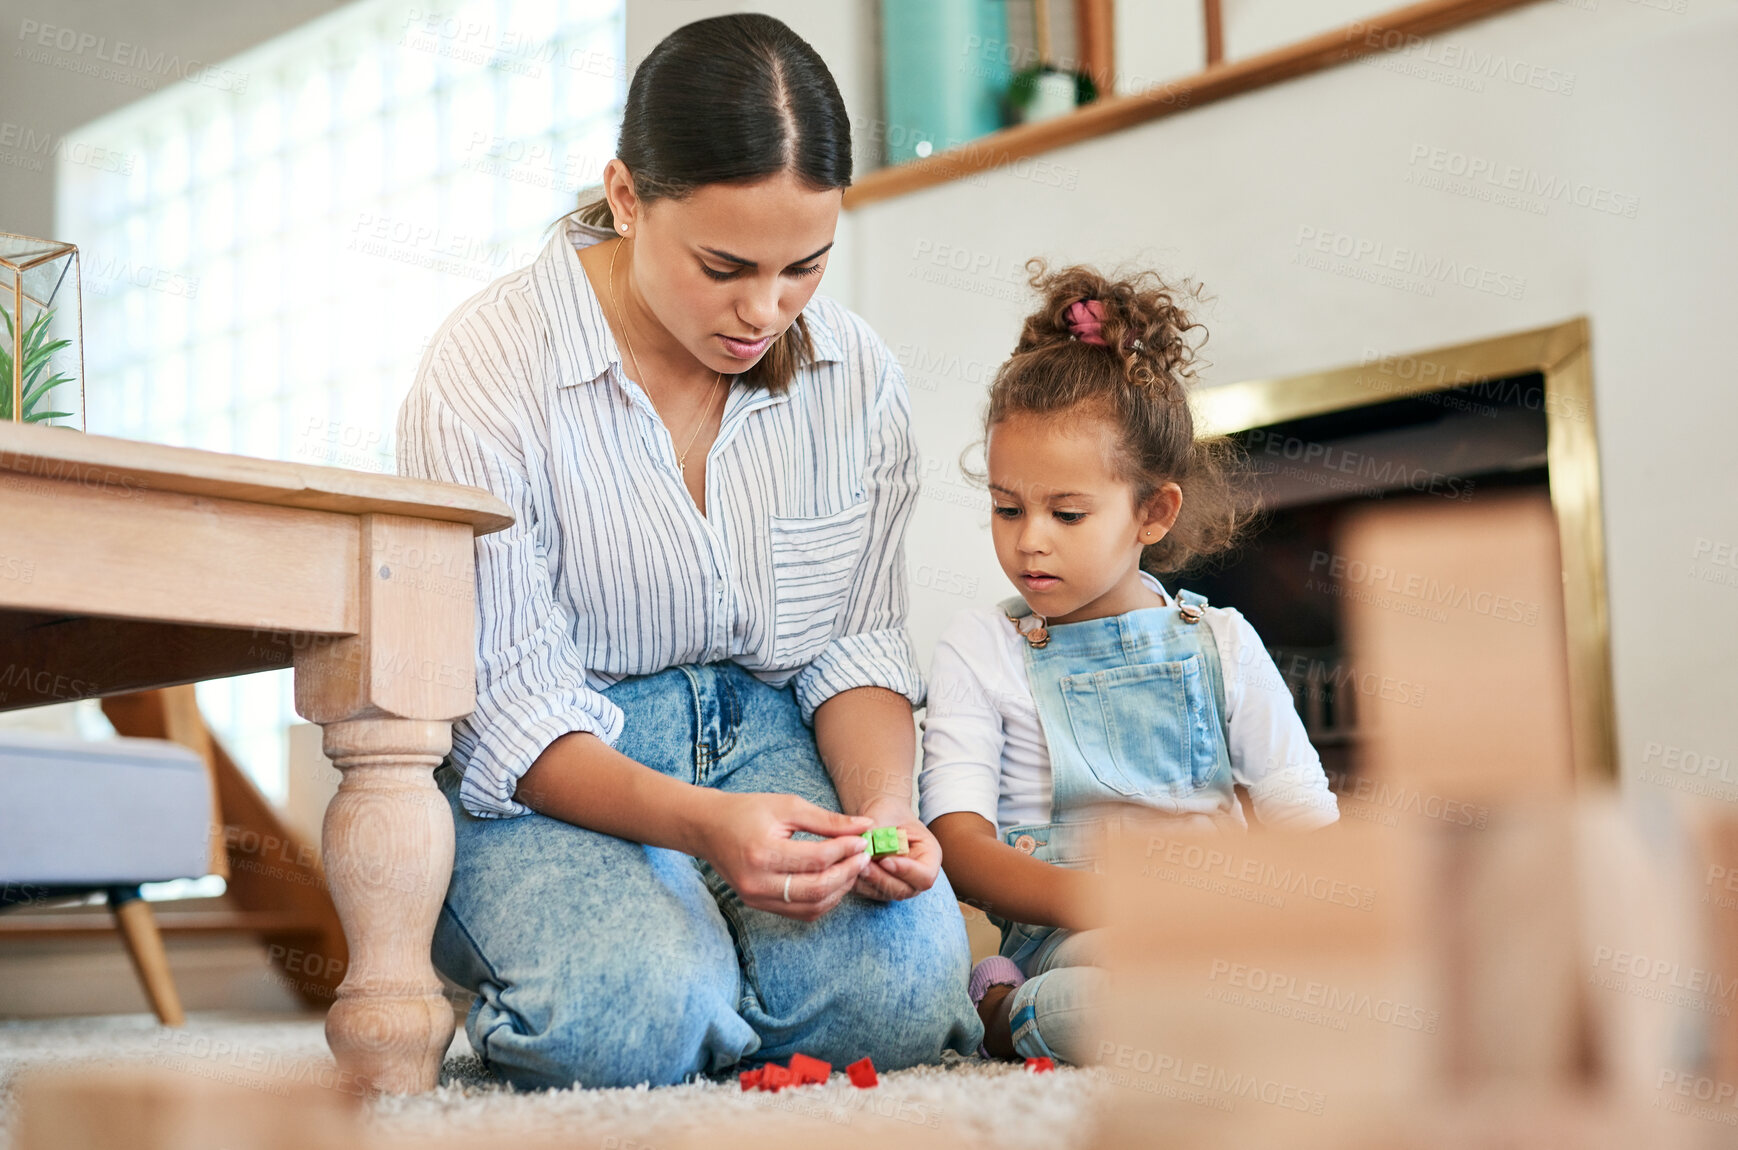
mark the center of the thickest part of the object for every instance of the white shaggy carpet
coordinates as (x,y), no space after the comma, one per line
(974,1102)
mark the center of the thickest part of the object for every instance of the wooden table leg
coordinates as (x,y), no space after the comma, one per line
(386,698)
(388,841)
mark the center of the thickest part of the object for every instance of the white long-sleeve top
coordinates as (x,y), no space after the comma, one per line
(796,571)
(984,749)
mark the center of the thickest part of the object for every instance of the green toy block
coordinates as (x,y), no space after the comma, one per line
(887,841)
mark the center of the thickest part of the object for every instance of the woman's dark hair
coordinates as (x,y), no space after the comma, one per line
(1138,379)
(726,100)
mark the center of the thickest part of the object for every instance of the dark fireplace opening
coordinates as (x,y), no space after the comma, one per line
(1293,578)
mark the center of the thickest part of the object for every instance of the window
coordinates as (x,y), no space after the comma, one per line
(283,233)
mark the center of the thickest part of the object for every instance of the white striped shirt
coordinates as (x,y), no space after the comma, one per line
(796,571)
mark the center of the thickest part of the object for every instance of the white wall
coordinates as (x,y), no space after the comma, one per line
(1631,99)
(41,102)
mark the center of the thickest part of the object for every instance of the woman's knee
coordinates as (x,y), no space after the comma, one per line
(908,999)
(656,1027)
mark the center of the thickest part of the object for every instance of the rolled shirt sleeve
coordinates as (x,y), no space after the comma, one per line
(530,678)
(871,646)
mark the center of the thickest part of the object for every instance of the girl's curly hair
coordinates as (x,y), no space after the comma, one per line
(1139,380)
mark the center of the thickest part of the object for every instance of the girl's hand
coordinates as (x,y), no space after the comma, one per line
(900,876)
(749,844)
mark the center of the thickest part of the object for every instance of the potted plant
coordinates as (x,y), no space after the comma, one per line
(38,356)
(41,352)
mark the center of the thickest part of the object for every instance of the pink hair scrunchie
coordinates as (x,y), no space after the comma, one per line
(1086,319)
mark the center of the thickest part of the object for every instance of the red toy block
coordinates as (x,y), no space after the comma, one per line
(862,1073)
(750,1078)
(810,1069)
(1040,1065)
(773,1076)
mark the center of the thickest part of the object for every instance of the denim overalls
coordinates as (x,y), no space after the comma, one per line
(1132,707)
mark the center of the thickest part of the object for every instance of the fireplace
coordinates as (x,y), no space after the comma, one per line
(1428,570)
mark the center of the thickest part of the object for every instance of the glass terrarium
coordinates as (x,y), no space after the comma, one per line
(41,333)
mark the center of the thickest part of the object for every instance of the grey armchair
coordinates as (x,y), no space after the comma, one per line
(79,817)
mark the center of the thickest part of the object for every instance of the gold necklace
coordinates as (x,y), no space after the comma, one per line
(621,321)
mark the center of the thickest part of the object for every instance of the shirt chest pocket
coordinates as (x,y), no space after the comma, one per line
(813,561)
(1147,730)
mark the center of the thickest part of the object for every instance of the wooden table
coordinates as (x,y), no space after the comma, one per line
(127,565)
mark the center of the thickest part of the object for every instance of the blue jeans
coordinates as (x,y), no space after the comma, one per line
(1054,1014)
(605,962)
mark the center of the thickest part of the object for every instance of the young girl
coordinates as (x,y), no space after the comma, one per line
(1094,685)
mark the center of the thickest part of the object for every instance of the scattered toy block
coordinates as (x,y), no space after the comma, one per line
(750,1078)
(887,841)
(862,1074)
(773,1077)
(1040,1065)
(810,1069)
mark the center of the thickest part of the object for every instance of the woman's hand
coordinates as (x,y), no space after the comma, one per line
(749,844)
(900,876)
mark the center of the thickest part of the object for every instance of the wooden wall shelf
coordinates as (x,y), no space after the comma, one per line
(1218,82)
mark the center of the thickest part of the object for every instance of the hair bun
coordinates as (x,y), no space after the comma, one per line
(1140,316)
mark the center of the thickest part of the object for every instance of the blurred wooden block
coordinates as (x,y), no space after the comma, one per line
(1332,989)
(215,1104)
(1267,982)
(1453,614)
(1507,935)
(212,1106)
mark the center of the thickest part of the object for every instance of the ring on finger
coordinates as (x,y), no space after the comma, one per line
(787,888)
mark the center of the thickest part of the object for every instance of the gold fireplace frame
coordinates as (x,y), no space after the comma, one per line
(1562,354)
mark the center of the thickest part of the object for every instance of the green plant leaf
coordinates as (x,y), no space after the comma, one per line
(39,352)
(36,394)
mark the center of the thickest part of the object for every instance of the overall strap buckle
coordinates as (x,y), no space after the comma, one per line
(1028,624)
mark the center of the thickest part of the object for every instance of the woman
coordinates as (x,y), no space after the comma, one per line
(659,870)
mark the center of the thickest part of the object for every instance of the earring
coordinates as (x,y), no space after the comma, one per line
(622,228)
